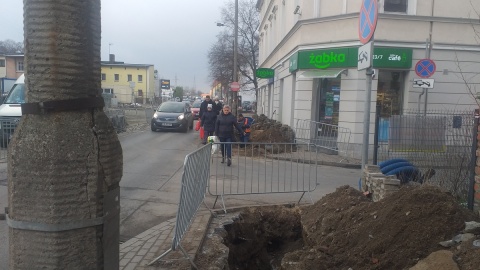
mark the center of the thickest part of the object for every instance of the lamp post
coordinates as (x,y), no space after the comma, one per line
(234,95)
(235,49)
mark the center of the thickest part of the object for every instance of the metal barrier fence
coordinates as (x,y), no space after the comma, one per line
(330,137)
(438,140)
(7,128)
(264,168)
(196,172)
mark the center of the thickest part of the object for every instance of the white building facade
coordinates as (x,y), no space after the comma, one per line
(313,47)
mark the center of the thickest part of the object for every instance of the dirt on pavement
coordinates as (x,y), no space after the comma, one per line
(346,230)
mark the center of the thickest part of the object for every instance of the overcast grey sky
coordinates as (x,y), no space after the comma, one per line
(173,35)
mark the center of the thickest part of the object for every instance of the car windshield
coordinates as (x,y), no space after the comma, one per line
(172,107)
(16,95)
(196,105)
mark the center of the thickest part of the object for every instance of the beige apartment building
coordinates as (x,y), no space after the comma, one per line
(312,45)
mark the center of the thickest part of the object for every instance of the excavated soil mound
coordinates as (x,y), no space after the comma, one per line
(345,230)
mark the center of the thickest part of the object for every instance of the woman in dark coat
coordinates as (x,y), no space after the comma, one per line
(224,131)
(208,122)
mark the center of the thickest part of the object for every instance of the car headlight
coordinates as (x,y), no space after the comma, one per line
(155,115)
(181,116)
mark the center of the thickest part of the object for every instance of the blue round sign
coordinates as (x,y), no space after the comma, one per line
(368,20)
(425,68)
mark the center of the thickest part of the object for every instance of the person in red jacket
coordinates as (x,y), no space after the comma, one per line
(245,125)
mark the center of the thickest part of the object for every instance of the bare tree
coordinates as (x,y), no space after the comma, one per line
(9,46)
(65,160)
(221,53)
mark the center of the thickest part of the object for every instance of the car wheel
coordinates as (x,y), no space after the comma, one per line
(152,126)
(191,125)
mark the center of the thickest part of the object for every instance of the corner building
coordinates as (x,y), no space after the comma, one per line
(313,47)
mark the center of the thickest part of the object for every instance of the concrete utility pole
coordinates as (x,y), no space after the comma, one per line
(64,161)
(235,60)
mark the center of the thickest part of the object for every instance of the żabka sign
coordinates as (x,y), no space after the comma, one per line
(265,73)
(324,60)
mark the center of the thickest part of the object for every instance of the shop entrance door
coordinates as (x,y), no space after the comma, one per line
(328,100)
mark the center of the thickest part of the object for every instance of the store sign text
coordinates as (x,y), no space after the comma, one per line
(324,60)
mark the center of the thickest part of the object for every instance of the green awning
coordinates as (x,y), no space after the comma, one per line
(321,73)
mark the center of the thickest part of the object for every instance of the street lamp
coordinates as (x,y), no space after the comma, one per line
(235,49)
(235,55)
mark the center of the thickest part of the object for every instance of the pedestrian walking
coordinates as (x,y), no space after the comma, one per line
(245,123)
(224,125)
(203,106)
(217,106)
(208,122)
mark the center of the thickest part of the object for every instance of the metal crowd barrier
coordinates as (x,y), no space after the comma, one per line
(7,128)
(330,137)
(196,172)
(264,168)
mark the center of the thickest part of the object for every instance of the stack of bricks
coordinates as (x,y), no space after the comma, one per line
(378,184)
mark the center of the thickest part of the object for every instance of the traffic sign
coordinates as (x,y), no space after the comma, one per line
(365,56)
(367,20)
(423,83)
(425,68)
(234,86)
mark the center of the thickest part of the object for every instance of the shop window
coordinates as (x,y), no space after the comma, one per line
(390,93)
(329,100)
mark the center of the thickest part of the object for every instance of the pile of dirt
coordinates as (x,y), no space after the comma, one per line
(346,230)
(268,130)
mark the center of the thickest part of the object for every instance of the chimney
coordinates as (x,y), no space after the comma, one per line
(112,58)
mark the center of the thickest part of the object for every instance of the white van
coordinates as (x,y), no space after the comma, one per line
(11,110)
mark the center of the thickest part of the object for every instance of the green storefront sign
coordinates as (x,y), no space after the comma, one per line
(265,73)
(347,58)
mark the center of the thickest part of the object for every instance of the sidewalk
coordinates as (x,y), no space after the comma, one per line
(137,252)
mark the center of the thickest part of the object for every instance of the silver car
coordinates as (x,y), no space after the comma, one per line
(172,115)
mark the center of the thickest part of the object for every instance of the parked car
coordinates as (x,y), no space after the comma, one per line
(246,106)
(196,110)
(172,115)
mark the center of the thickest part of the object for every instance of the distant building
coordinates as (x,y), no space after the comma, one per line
(130,83)
(11,67)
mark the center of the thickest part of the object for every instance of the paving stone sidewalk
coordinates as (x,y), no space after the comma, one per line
(140,250)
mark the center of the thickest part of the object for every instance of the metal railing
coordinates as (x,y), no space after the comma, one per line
(436,140)
(264,168)
(7,128)
(332,138)
(196,172)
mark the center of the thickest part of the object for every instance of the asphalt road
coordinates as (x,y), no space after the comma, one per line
(150,186)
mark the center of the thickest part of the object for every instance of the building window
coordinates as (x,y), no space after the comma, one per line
(129,77)
(140,78)
(104,77)
(108,90)
(20,66)
(395,6)
(117,77)
(140,93)
(2,63)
